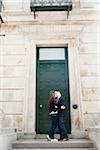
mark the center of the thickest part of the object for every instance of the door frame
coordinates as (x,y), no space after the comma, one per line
(37,82)
(29,118)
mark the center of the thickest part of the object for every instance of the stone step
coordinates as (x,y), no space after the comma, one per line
(25,135)
(44,144)
(30,135)
(59,149)
(79,135)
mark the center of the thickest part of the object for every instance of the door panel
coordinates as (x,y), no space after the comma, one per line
(51,75)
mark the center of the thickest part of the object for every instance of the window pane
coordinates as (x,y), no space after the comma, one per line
(52,54)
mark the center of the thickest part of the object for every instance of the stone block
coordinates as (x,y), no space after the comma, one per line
(12,107)
(12,60)
(11,83)
(89,70)
(12,95)
(91,120)
(13,49)
(8,71)
(91,94)
(90,82)
(92,107)
(88,59)
(89,48)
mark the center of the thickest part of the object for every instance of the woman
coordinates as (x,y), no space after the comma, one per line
(53,113)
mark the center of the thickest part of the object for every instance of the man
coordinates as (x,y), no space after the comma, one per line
(61,108)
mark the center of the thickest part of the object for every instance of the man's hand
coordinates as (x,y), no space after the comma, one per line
(63,107)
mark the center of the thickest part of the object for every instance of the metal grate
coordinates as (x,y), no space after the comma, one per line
(51,5)
(1,9)
(51,2)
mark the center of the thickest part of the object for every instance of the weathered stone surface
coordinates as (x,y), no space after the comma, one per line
(13,6)
(91,94)
(89,38)
(12,95)
(14,71)
(6,139)
(88,59)
(13,49)
(13,121)
(91,28)
(91,120)
(12,107)
(91,107)
(89,70)
(10,60)
(93,4)
(89,48)
(94,135)
(90,82)
(10,83)
(12,39)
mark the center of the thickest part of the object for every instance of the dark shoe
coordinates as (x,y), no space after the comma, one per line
(59,139)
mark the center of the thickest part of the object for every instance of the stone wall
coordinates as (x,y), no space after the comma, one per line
(18,57)
(12,77)
(90,73)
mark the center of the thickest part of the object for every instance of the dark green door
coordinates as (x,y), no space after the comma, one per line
(51,74)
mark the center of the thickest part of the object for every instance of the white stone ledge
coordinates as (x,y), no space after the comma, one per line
(47,16)
(93,133)
(6,140)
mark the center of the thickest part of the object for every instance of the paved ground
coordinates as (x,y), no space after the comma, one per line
(58,149)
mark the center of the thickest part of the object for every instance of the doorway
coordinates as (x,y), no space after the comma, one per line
(52,74)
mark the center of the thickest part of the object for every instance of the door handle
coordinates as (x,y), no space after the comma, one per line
(41,105)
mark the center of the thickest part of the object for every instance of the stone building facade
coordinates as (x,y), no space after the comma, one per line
(21,34)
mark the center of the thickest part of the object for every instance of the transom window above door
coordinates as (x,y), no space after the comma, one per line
(51,53)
